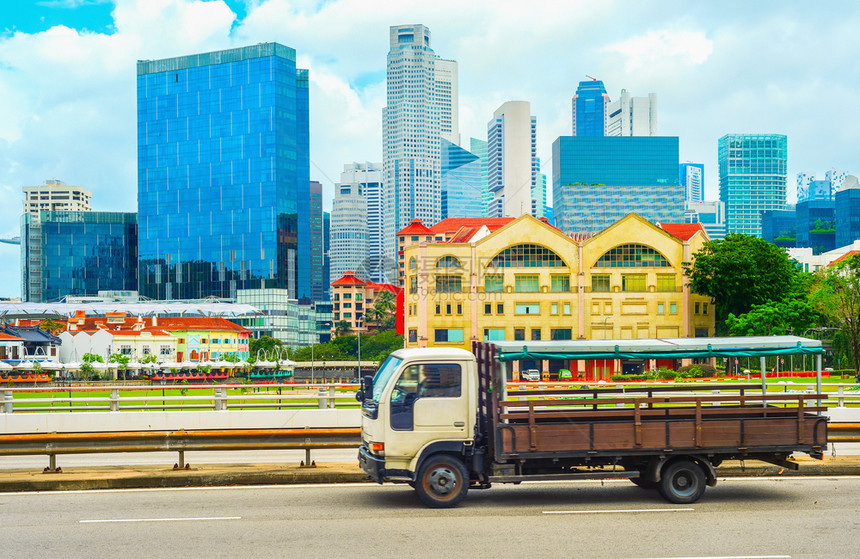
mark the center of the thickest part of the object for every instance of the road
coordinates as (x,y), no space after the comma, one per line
(797,517)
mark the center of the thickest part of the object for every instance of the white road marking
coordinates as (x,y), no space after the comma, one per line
(194,488)
(730,557)
(614,511)
(109,520)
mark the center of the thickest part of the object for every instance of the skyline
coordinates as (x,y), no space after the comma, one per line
(70,103)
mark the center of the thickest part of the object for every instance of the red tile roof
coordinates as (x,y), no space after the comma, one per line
(4,336)
(383,287)
(844,256)
(464,235)
(415,227)
(163,323)
(347,280)
(454,224)
(683,231)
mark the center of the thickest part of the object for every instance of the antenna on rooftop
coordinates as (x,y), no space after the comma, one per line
(593,79)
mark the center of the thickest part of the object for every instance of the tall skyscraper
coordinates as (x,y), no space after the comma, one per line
(223,173)
(448,99)
(589,109)
(847,212)
(752,178)
(418,102)
(692,178)
(77,253)
(512,159)
(539,192)
(327,254)
(319,283)
(479,148)
(357,220)
(598,180)
(632,116)
(461,182)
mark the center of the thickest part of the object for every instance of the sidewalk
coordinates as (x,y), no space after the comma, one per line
(209,475)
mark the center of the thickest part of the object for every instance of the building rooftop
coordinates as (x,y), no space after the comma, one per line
(683,231)
(348,279)
(415,227)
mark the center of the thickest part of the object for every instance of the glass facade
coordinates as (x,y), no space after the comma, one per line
(479,148)
(752,178)
(319,280)
(77,253)
(692,178)
(223,174)
(462,187)
(847,216)
(780,227)
(589,109)
(598,180)
(285,319)
(816,224)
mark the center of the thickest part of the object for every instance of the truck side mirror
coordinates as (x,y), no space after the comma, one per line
(366,390)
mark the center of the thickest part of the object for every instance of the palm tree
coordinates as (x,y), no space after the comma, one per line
(342,328)
(384,307)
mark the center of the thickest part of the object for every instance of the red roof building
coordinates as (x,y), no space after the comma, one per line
(351,297)
(683,231)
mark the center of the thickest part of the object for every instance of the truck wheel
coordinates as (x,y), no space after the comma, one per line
(682,482)
(442,481)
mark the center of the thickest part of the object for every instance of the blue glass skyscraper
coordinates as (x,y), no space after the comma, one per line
(752,178)
(589,108)
(461,182)
(223,173)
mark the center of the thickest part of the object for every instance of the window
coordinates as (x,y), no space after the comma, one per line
(560,333)
(358,297)
(347,295)
(527,308)
(448,284)
(698,308)
(527,284)
(633,282)
(494,283)
(665,282)
(146,350)
(567,308)
(659,308)
(347,315)
(704,308)
(164,350)
(413,335)
(459,308)
(535,333)
(125,349)
(500,308)
(527,256)
(554,308)
(600,283)
(413,263)
(673,308)
(488,308)
(560,284)
(438,309)
(448,334)
(448,308)
(494,334)
(345,305)
(448,262)
(632,256)
(519,334)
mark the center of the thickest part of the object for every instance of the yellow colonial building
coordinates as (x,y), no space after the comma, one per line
(527,280)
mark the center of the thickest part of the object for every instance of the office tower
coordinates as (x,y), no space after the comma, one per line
(327,254)
(711,214)
(56,196)
(77,253)
(412,123)
(752,178)
(539,193)
(512,158)
(847,212)
(479,148)
(349,227)
(780,227)
(816,223)
(319,282)
(461,182)
(598,180)
(223,173)
(692,178)
(632,116)
(448,99)
(589,109)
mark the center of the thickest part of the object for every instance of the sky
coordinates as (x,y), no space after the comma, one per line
(68,100)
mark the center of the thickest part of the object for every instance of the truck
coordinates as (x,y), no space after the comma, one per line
(444,421)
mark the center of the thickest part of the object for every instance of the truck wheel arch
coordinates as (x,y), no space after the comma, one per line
(454,448)
(657,465)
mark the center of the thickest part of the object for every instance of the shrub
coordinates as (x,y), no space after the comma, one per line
(699,370)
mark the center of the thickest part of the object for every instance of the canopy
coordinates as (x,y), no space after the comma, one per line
(666,348)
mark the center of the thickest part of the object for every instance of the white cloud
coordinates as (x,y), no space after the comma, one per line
(659,47)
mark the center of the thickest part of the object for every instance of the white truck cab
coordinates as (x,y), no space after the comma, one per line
(420,403)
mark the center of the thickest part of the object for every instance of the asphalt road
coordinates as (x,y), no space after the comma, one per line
(766,518)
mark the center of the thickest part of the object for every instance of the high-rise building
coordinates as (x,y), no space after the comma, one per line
(810,188)
(711,214)
(349,225)
(479,148)
(327,253)
(847,212)
(598,180)
(461,182)
(56,196)
(224,173)
(512,158)
(539,193)
(319,283)
(780,227)
(448,99)
(816,224)
(412,125)
(589,109)
(77,253)
(752,178)
(632,116)
(692,178)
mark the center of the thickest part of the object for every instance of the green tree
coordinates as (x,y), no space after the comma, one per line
(121,362)
(740,271)
(342,328)
(87,363)
(838,297)
(382,313)
(774,318)
(265,345)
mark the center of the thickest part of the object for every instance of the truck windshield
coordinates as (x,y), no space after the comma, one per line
(383,375)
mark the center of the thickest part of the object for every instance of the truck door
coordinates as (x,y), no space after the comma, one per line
(429,401)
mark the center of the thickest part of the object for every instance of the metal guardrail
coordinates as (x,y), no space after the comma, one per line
(52,444)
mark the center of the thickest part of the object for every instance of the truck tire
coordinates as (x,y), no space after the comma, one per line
(682,482)
(442,481)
